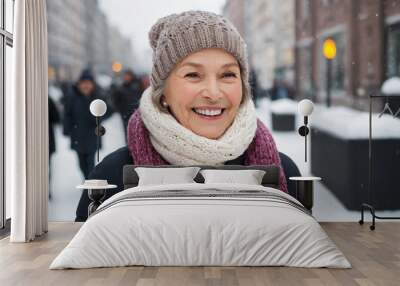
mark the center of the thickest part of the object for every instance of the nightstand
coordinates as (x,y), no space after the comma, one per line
(305,190)
(96,192)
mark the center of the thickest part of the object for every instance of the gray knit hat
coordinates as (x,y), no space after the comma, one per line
(174,37)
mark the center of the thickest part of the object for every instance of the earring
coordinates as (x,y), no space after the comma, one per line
(164,103)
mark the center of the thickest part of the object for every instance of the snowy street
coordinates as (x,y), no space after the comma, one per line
(66,174)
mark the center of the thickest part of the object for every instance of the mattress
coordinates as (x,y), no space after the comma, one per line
(201,225)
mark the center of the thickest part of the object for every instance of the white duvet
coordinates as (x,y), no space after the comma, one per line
(183,231)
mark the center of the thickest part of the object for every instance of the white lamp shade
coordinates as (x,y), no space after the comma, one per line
(305,107)
(391,86)
(98,107)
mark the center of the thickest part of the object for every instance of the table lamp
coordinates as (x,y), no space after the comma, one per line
(305,108)
(98,108)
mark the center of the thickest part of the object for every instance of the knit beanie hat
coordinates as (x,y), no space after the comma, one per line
(176,36)
(86,75)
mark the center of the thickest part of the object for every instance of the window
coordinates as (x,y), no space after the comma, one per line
(306,72)
(306,6)
(6,43)
(326,2)
(337,66)
(393,51)
(9,19)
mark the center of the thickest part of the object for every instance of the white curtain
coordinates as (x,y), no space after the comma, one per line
(27,132)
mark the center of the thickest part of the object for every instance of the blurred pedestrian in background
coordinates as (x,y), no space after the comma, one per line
(54,118)
(145,81)
(280,90)
(126,97)
(255,87)
(79,123)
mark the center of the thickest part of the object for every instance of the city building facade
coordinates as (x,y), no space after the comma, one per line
(268,28)
(366,33)
(79,37)
(120,49)
(65,39)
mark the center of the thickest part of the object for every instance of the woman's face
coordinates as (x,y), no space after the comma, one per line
(204,92)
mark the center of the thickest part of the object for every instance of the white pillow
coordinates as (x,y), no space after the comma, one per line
(248,177)
(162,176)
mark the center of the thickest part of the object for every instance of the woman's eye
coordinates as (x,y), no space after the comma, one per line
(192,75)
(229,74)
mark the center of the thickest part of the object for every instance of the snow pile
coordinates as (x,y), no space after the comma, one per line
(348,123)
(391,86)
(283,106)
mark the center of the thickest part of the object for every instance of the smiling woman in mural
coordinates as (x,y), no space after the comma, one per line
(198,109)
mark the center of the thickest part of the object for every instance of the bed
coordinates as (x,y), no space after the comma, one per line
(201,224)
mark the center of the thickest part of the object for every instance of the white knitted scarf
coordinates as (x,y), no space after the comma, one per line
(180,146)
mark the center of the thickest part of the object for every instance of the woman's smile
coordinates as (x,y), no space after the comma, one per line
(208,113)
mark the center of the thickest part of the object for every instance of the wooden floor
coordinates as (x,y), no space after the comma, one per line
(374,255)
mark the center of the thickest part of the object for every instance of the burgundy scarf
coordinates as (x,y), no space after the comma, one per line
(261,151)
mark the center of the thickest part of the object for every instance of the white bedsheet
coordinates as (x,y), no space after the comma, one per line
(200,231)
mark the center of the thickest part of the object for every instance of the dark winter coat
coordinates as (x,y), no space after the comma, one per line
(110,169)
(54,118)
(79,123)
(126,98)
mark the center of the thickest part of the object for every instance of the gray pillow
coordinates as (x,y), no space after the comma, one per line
(248,177)
(161,176)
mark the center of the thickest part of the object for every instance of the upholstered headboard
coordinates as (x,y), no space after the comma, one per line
(270,179)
